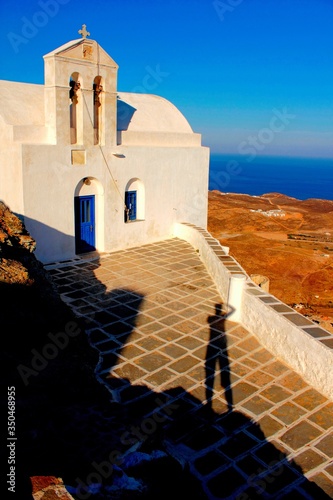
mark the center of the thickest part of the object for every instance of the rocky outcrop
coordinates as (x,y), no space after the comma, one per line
(51,369)
(50,488)
(16,246)
(25,287)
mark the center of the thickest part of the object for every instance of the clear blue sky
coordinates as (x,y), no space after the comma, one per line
(233,67)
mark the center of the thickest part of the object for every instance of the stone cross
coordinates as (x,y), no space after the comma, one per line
(83,32)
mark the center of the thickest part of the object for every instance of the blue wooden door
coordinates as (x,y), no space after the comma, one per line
(85,223)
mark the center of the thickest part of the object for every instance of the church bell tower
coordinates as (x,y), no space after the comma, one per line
(81,94)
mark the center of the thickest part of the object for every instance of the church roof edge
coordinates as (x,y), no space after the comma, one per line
(68,45)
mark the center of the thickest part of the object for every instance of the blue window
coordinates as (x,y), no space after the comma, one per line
(130,203)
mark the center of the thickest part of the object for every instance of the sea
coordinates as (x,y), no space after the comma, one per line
(300,178)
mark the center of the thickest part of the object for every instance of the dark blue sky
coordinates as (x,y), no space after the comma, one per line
(247,74)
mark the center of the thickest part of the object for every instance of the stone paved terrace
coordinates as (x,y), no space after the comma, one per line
(245,424)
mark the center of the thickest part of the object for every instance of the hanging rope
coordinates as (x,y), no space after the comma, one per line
(102,152)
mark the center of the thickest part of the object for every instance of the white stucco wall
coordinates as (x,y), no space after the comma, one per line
(175,182)
(22,103)
(11,189)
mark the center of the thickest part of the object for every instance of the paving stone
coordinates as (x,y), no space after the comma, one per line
(269,425)
(219,404)
(238,445)
(271,453)
(323,417)
(257,405)
(234,421)
(234,353)
(190,312)
(109,345)
(249,362)
(275,368)
(185,382)
(276,480)
(326,445)
(118,329)
(259,378)
(171,320)
(310,399)
(329,470)
(262,356)
(250,465)
(324,482)
(223,484)
(249,344)
(309,460)
(97,335)
(275,393)
(189,342)
(150,362)
(129,371)
(204,438)
(149,327)
(327,342)
(294,494)
(199,392)
(242,390)
(210,462)
(128,351)
(200,353)
(184,364)
(288,413)
(160,378)
(168,334)
(150,343)
(173,351)
(159,312)
(300,435)
(239,369)
(293,382)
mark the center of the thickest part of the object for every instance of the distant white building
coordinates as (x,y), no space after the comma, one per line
(90,168)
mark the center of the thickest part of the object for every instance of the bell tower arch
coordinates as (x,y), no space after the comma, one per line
(81,76)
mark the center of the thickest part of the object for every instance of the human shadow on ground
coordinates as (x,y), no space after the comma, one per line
(118,438)
(217,359)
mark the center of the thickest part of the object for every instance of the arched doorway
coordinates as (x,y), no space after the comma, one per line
(87,216)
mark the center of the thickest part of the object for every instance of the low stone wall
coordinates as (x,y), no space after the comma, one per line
(295,340)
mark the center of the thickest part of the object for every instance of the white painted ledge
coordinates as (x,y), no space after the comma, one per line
(288,335)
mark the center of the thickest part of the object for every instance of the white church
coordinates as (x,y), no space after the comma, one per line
(89,168)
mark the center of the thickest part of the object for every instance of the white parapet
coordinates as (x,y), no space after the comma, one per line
(235,297)
(288,335)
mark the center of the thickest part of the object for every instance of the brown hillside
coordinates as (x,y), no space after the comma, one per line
(288,240)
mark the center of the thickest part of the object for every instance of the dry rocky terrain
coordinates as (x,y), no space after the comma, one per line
(289,241)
